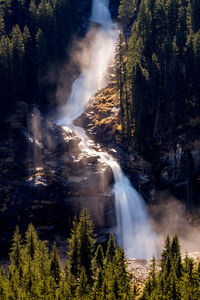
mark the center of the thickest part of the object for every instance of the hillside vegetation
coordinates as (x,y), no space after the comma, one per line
(91,272)
(33,35)
(157,70)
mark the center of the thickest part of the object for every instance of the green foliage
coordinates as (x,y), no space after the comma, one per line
(110,253)
(82,245)
(126,11)
(36,274)
(86,242)
(122,85)
(98,258)
(55,269)
(161,71)
(33,35)
(74,250)
(176,279)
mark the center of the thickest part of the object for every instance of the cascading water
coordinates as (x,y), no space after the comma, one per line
(133,230)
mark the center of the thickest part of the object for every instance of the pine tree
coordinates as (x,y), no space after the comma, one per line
(110,253)
(122,279)
(46,283)
(32,22)
(16,254)
(32,242)
(121,79)
(55,268)
(98,258)
(86,242)
(17,66)
(5,291)
(82,288)
(127,9)
(176,254)
(74,259)
(98,285)
(16,268)
(65,290)
(166,252)
(151,283)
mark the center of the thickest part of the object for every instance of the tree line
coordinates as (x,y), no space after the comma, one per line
(157,69)
(177,279)
(33,34)
(92,271)
(88,273)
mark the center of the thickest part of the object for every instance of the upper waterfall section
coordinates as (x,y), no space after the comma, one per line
(100,13)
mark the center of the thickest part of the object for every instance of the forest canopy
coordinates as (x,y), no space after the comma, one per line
(157,69)
(33,35)
(92,271)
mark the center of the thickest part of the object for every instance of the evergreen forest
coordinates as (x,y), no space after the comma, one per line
(33,36)
(157,70)
(92,271)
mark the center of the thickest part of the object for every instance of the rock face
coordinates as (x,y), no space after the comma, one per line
(174,167)
(45,178)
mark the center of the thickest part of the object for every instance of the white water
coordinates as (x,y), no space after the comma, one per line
(133,230)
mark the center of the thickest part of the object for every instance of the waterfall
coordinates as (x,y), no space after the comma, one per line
(100,13)
(133,230)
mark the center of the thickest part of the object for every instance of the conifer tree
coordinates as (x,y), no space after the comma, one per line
(32,242)
(126,11)
(55,268)
(65,290)
(74,259)
(176,254)
(110,253)
(16,254)
(17,67)
(122,278)
(82,288)
(5,291)
(16,268)
(98,258)
(47,285)
(166,251)
(86,242)
(32,22)
(120,74)
(98,285)
(151,283)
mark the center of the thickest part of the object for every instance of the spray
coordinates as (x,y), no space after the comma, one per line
(133,230)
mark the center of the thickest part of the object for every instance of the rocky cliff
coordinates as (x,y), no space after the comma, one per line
(45,178)
(173,167)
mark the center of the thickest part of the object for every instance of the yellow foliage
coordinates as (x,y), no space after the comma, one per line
(39,174)
(119,127)
(106,109)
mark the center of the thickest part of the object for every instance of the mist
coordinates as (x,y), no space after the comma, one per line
(95,55)
(169,217)
(91,56)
